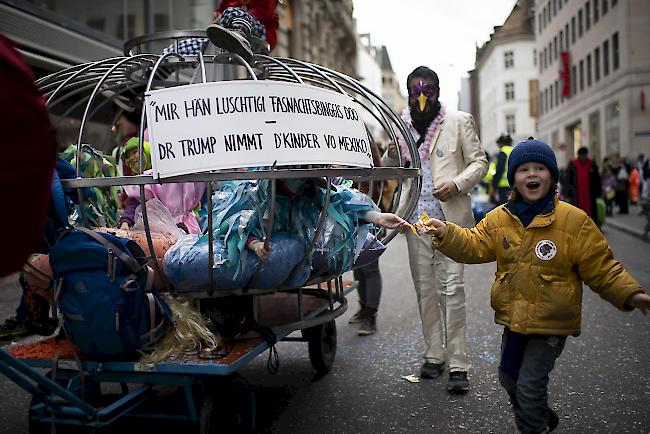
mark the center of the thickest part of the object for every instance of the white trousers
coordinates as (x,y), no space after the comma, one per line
(440,290)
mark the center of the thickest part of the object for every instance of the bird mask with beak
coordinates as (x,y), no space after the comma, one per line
(423,103)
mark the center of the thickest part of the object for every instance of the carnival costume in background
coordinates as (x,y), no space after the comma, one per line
(241,212)
(453,162)
(102,206)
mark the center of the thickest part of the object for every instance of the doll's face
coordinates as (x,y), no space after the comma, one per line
(132,160)
(533,181)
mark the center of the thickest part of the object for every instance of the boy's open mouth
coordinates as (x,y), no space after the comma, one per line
(532,185)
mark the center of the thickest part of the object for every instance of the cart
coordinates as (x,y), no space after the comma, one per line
(73,391)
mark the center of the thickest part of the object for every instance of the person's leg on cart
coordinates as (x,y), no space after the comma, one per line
(233,31)
(32,317)
(16,326)
(369,290)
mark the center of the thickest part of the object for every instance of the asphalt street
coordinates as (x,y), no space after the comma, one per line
(600,384)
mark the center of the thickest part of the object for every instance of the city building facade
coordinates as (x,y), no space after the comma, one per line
(507,77)
(594,75)
(55,34)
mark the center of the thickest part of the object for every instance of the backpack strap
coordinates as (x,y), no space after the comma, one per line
(133,265)
(155,330)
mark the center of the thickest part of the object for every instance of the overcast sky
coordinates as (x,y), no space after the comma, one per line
(440,34)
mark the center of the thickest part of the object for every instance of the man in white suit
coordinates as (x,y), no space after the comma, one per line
(453,162)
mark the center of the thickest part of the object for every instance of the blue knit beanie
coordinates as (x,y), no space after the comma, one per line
(532,150)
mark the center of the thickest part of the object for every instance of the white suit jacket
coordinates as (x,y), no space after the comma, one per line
(456,154)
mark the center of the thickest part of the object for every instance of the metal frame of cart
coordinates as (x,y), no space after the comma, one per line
(72,396)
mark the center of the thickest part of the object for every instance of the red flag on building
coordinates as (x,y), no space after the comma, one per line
(565,73)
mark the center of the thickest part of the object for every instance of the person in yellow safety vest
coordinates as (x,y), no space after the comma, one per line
(487,179)
(499,182)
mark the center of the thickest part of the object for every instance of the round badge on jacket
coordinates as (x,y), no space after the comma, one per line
(546,250)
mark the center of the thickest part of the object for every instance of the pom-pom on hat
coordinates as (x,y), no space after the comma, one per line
(532,150)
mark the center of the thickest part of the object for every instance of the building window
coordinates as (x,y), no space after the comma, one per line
(125,26)
(550,94)
(510,124)
(574,86)
(615,58)
(534,57)
(605,7)
(550,53)
(597,65)
(508,58)
(546,100)
(540,61)
(539,24)
(554,7)
(605,58)
(98,23)
(573,30)
(541,103)
(533,100)
(581,70)
(161,22)
(594,135)
(555,48)
(612,129)
(557,92)
(580,23)
(545,58)
(587,16)
(596,17)
(588,70)
(614,3)
(566,36)
(510,91)
(561,40)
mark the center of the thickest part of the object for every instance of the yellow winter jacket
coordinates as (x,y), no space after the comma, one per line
(540,269)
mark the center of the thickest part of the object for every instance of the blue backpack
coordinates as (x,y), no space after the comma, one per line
(105,296)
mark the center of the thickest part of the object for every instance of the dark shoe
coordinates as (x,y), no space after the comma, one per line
(358,317)
(432,370)
(368,326)
(458,382)
(45,328)
(553,420)
(13,328)
(230,40)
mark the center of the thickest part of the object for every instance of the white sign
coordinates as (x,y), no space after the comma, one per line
(233,124)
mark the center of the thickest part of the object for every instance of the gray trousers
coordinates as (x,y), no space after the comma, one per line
(529,393)
(369,288)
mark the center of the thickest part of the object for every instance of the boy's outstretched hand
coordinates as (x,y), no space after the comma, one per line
(639,301)
(434,227)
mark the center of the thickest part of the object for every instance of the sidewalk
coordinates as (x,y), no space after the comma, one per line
(631,223)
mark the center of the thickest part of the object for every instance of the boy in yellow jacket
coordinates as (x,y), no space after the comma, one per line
(544,250)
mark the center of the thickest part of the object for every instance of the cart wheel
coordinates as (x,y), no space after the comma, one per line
(322,346)
(227,409)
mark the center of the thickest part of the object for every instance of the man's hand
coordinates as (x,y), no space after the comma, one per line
(435,228)
(446,191)
(385,219)
(639,301)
